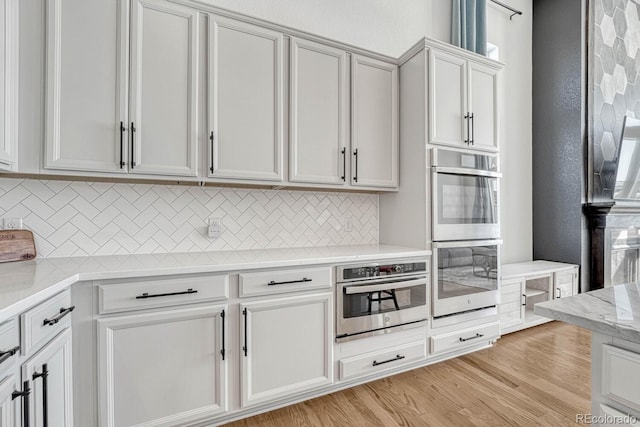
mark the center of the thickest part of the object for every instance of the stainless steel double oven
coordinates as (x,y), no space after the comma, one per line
(466,230)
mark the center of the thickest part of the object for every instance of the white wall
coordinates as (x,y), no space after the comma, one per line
(513,37)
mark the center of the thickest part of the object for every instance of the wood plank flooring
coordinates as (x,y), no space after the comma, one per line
(536,377)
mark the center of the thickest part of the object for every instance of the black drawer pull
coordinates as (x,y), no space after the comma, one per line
(398,357)
(56,319)
(147,295)
(471,338)
(304,279)
(4,355)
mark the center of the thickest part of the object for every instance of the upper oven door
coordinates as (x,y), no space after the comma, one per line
(465,276)
(465,196)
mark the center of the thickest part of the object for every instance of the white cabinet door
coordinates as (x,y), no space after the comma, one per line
(9,407)
(245,101)
(51,400)
(319,114)
(163,368)
(8,83)
(164,65)
(374,122)
(448,99)
(287,347)
(483,96)
(511,308)
(86,99)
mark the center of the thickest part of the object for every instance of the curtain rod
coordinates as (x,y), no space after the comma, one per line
(506,6)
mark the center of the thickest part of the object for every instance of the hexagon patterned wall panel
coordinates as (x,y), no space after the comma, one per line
(615,62)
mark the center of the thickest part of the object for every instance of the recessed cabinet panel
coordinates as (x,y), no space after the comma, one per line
(9,415)
(288,347)
(164,63)
(447,98)
(483,88)
(319,113)
(8,83)
(58,403)
(86,84)
(246,101)
(162,368)
(374,123)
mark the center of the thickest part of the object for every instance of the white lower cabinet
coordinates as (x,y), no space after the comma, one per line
(9,415)
(163,368)
(49,370)
(286,347)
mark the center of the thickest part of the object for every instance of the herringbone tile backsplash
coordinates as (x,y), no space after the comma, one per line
(71,218)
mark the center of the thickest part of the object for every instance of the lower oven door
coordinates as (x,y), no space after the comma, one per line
(466,276)
(372,307)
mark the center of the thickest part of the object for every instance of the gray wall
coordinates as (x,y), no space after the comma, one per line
(558,131)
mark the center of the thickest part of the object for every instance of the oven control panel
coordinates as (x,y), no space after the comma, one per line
(381,270)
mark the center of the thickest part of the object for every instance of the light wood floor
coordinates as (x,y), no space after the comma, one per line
(538,376)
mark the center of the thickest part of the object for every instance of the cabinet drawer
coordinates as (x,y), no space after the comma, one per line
(139,295)
(280,281)
(9,342)
(465,338)
(621,376)
(45,321)
(614,418)
(383,360)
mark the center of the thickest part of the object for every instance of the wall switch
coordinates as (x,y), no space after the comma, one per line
(214,228)
(13,223)
(348,225)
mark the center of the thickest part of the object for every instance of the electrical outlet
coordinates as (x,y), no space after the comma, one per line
(13,223)
(214,228)
(348,225)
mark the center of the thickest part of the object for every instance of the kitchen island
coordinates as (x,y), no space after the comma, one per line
(613,316)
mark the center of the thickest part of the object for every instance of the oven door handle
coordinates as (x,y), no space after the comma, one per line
(388,286)
(465,171)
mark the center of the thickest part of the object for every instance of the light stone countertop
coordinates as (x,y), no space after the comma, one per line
(613,311)
(26,283)
(521,269)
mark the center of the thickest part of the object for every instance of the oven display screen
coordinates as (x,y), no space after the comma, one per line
(383,270)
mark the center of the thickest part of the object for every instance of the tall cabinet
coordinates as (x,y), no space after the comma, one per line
(8,84)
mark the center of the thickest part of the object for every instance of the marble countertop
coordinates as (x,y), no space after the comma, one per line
(23,284)
(613,311)
(520,269)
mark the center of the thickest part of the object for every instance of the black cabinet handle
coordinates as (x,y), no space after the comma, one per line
(24,395)
(122,130)
(147,295)
(466,141)
(476,336)
(244,347)
(45,410)
(63,312)
(4,355)
(133,133)
(223,351)
(355,175)
(398,357)
(303,280)
(473,129)
(211,138)
(558,293)
(344,165)
(525,300)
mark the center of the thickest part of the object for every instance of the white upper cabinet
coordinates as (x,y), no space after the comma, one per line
(89,127)
(374,123)
(164,65)
(463,104)
(483,86)
(86,85)
(9,84)
(448,100)
(319,113)
(245,101)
